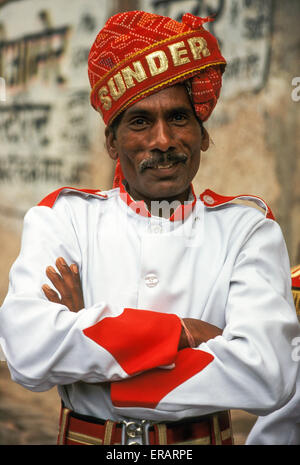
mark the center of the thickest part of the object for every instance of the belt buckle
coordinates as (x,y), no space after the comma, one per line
(136,432)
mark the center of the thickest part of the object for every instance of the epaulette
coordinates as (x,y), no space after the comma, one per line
(51,198)
(212,199)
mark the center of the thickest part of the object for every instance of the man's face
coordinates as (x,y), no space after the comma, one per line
(158,142)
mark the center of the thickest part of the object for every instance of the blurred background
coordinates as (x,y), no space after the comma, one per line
(51,137)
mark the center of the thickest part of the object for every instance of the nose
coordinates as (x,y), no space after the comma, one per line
(162,138)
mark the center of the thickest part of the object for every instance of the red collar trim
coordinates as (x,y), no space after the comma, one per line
(140,207)
(183,211)
(212,199)
(51,198)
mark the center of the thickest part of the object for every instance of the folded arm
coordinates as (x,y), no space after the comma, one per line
(249,366)
(68,292)
(46,344)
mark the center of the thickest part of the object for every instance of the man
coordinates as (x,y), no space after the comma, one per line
(171,309)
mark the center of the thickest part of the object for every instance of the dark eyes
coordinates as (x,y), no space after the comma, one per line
(139,123)
(179,117)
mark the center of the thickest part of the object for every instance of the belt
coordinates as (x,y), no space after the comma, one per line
(77,429)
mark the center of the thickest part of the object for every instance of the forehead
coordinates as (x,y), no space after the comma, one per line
(166,100)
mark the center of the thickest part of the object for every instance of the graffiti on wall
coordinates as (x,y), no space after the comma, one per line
(47,127)
(26,57)
(46,123)
(243,30)
(15,168)
(26,125)
(21,123)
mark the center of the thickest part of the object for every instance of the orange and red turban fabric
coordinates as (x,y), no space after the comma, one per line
(137,54)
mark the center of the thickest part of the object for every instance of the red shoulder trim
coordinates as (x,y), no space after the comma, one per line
(212,199)
(51,198)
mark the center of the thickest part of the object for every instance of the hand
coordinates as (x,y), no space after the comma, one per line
(67,283)
(200,330)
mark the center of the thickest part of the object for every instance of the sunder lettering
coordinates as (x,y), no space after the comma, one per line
(198,46)
(104,98)
(138,74)
(177,54)
(177,50)
(116,86)
(157,62)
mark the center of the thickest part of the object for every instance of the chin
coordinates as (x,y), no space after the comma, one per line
(167,192)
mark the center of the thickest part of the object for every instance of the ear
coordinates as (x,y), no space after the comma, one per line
(111,143)
(205,140)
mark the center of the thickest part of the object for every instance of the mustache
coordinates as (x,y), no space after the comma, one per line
(155,160)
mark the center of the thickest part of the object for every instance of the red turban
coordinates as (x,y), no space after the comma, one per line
(138,53)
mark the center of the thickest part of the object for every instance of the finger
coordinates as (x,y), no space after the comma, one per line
(72,293)
(60,284)
(78,295)
(55,278)
(51,294)
(74,269)
(75,276)
(65,271)
(71,289)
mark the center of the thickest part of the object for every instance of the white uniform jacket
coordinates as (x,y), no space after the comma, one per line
(220,262)
(281,427)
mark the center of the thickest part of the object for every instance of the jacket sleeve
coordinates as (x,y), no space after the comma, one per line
(250,366)
(46,344)
(281,427)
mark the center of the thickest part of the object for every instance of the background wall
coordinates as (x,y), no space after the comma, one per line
(50,136)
